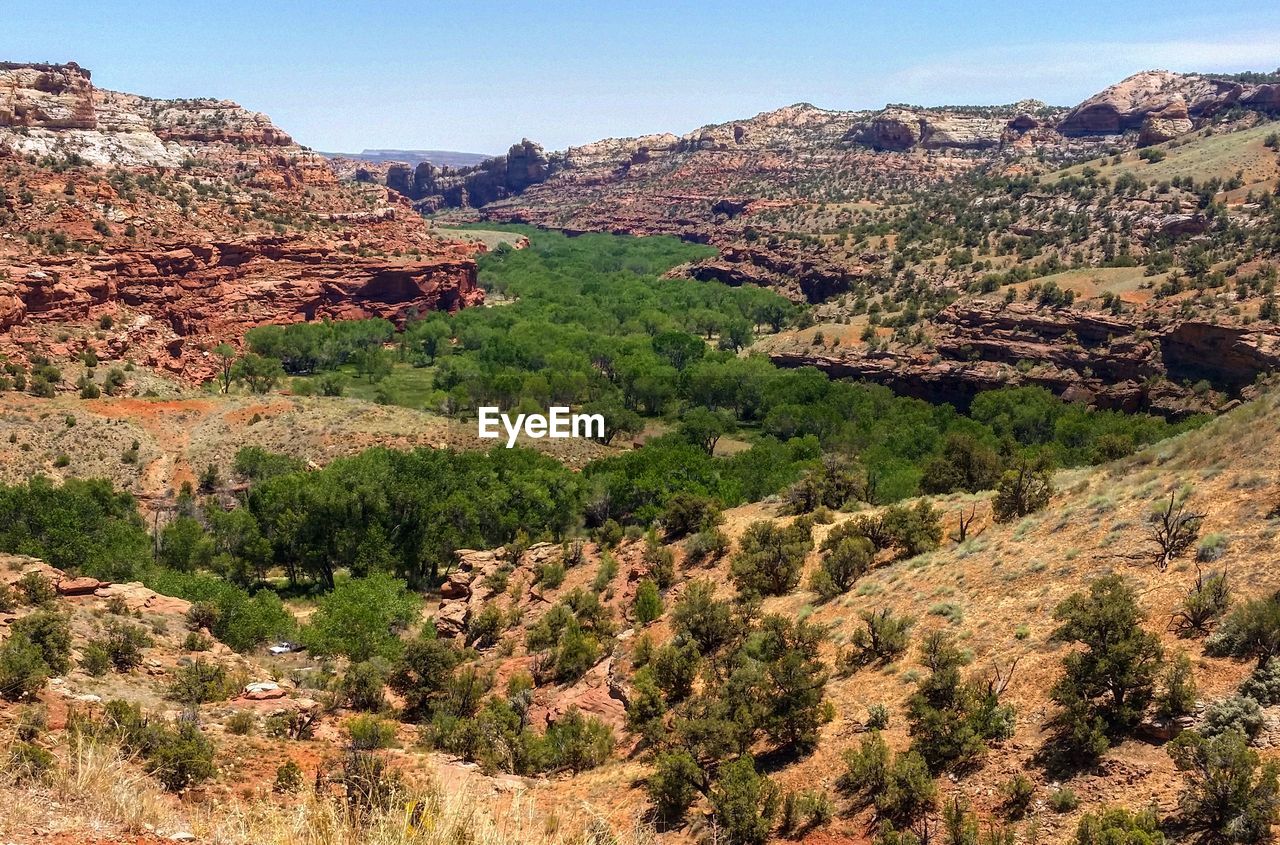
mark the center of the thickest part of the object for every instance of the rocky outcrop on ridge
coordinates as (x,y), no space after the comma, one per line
(1162,104)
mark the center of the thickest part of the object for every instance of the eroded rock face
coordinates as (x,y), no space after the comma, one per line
(433,187)
(200,293)
(934,129)
(1128,363)
(46,96)
(1161,96)
(190,222)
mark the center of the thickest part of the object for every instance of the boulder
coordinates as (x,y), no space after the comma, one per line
(451,619)
(78,586)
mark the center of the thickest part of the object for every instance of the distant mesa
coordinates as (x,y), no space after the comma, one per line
(440,158)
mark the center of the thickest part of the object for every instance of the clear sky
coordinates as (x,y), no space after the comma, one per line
(479,75)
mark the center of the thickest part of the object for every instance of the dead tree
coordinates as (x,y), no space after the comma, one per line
(1173,528)
(965,521)
(1207,599)
(998,680)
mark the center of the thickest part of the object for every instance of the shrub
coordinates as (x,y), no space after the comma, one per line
(576,742)
(866,767)
(1118,826)
(369,784)
(1024,489)
(195,641)
(124,643)
(32,722)
(198,682)
(660,561)
(36,589)
(877,717)
(369,733)
(701,618)
(1177,696)
(1251,630)
(27,761)
(288,778)
(687,513)
(550,575)
(22,668)
(744,802)
(181,757)
(50,632)
(675,783)
(845,560)
(804,811)
(1017,793)
(708,544)
(1063,800)
(770,557)
(648,603)
(1210,548)
(424,673)
(95,660)
(8,598)
(606,573)
(883,639)
(1230,795)
(1206,601)
(1263,684)
(242,722)
(909,791)
(913,530)
(485,628)
(1237,713)
(202,614)
(361,687)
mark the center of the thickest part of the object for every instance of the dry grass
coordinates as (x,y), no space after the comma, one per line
(95,792)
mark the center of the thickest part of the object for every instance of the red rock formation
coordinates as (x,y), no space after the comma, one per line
(201,294)
(210,221)
(1128,363)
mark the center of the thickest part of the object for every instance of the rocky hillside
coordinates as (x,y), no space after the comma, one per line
(997,594)
(1139,225)
(174,225)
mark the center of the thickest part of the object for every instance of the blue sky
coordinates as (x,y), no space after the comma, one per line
(478,75)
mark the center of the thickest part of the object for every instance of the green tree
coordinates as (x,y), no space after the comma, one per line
(360,616)
(770,557)
(225,355)
(704,428)
(258,373)
(1230,796)
(648,603)
(1106,687)
(745,802)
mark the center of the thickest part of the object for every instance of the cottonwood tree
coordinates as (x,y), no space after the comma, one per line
(226,355)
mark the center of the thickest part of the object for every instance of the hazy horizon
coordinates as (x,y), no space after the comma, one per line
(477,77)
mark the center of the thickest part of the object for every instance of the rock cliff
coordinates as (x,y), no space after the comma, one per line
(187,222)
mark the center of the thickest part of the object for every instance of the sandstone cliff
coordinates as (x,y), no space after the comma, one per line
(1146,100)
(187,222)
